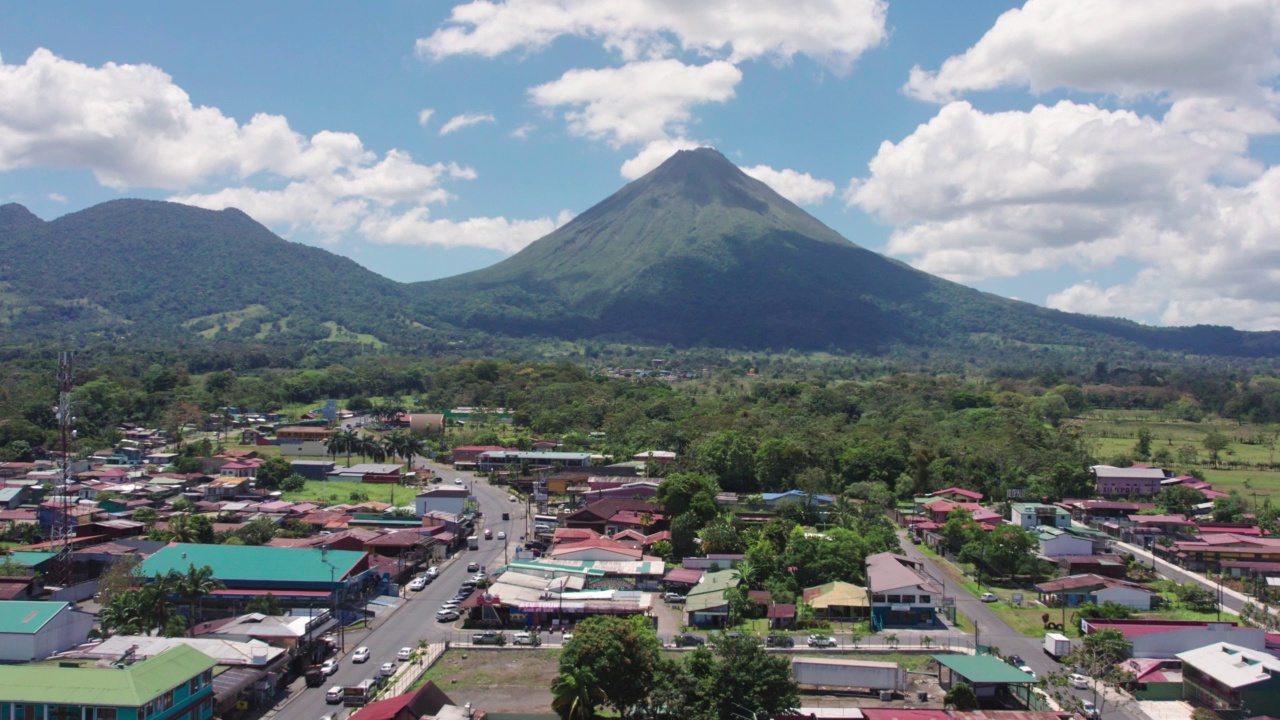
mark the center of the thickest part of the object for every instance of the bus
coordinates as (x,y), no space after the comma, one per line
(548,520)
(358,695)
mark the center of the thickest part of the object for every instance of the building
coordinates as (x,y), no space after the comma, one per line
(661,457)
(900,592)
(1032,516)
(991,678)
(1165,639)
(312,469)
(1209,552)
(303,433)
(1056,542)
(466,457)
(596,548)
(33,630)
(452,500)
(838,601)
(600,515)
(426,703)
(1076,590)
(1132,481)
(705,604)
(1228,677)
(772,499)
(296,576)
(514,459)
(957,494)
(374,473)
(174,685)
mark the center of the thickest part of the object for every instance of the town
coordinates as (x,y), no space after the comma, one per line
(243,571)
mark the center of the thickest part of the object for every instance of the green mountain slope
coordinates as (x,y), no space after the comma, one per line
(698,253)
(157,269)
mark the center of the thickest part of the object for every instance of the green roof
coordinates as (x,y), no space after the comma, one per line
(984,669)
(709,592)
(31,558)
(27,616)
(260,563)
(132,686)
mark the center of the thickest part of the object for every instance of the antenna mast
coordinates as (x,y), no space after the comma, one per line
(64,527)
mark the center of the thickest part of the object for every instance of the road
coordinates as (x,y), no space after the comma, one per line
(994,632)
(416,619)
(1230,600)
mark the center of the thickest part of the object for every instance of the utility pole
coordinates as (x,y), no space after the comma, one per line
(63,528)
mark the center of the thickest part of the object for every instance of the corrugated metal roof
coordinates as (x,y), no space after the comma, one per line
(985,669)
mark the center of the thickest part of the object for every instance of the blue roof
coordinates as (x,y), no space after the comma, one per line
(799,495)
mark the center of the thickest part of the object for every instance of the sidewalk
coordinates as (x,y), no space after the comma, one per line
(1138,552)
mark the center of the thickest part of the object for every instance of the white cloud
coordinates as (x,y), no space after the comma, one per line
(638,102)
(523,131)
(415,227)
(424,116)
(833,32)
(57,197)
(1130,48)
(800,188)
(654,154)
(465,120)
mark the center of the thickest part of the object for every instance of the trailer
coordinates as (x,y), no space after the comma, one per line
(848,675)
(1057,645)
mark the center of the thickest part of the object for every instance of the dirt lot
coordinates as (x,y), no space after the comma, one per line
(498,681)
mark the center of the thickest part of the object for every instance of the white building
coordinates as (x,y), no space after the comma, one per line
(1055,542)
(451,500)
(34,630)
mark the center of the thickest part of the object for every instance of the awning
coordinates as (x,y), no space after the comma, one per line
(278,593)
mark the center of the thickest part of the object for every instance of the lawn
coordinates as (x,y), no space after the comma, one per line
(911,662)
(500,681)
(341,492)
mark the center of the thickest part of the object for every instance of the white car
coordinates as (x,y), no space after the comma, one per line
(451,605)
(432,572)
(418,583)
(447,616)
(404,654)
(387,669)
(360,655)
(1088,709)
(502,535)
(522,638)
(511,498)
(329,667)
(566,637)
(1027,669)
(989,597)
(821,641)
(457,481)
(1079,682)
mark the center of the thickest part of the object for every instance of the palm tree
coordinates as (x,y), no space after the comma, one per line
(413,446)
(744,573)
(194,586)
(180,527)
(335,443)
(351,443)
(575,694)
(372,448)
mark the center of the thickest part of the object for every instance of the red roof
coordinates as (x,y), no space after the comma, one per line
(958,491)
(683,576)
(902,714)
(1139,627)
(780,611)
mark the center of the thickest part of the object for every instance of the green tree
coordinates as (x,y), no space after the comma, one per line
(621,654)
(748,677)
(293,483)
(192,587)
(257,532)
(684,533)
(575,694)
(1231,508)
(1215,442)
(267,604)
(1179,499)
(146,515)
(960,697)
(684,491)
(272,472)
(729,456)
(1142,448)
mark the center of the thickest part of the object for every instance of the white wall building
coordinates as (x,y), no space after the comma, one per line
(33,630)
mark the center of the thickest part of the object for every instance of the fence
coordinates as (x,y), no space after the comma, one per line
(410,672)
(903,641)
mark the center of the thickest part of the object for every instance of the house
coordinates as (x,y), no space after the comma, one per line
(226,488)
(1164,639)
(312,469)
(1228,677)
(661,457)
(1143,529)
(303,433)
(1076,590)
(1030,516)
(1055,542)
(900,592)
(452,500)
(12,497)
(32,630)
(595,549)
(1153,679)
(296,576)
(599,515)
(1209,552)
(466,457)
(1105,565)
(1132,481)
(838,601)
(771,500)
(705,604)
(177,684)
(1087,512)
(373,473)
(423,423)
(426,703)
(514,459)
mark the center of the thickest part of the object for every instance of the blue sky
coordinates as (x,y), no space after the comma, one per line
(1115,159)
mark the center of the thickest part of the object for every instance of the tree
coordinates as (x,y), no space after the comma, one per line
(1142,448)
(960,697)
(293,483)
(1231,508)
(684,491)
(621,654)
(729,456)
(1099,656)
(265,604)
(272,472)
(1179,500)
(146,515)
(1197,597)
(1215,442)
(576,694)
(257,532)
(194,586)
(684,532)
(747,676)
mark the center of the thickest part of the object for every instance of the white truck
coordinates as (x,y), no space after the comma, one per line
(1057,645)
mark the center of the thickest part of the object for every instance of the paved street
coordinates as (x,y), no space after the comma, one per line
(416,619)
(992,631)
(1231,600)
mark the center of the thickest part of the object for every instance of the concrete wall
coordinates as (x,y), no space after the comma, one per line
(1126,596)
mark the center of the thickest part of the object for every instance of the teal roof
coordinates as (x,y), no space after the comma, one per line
(31,558)
(27,616)
(132,686)
(9,493)
(261,563)
(984,669)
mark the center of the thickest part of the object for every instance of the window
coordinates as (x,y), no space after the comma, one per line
(63,712)
(106,713)
(895,598)
(924,599)
(908,599)
(877,598)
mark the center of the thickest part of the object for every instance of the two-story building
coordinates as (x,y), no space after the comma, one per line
(452,500)
(1032,516)
(901,594)
(174,685)
(1131,481)
(1227,677)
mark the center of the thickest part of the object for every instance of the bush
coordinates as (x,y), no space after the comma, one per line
(293,483)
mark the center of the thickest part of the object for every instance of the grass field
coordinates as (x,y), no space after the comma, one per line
(342,492)
(1246,465)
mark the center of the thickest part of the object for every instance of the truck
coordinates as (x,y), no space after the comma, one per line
(473,542)
(315,676)
(1057,645)
(358,695)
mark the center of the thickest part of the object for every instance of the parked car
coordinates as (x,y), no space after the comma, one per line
(779,641)
(473,567)
(432,572)
(404,654)
(988,597)
(1079,682)
(360,655)
(457,481)
(333,695)
(418,584)
(450,605)
(488,533)
(511,498)
(565,637)
(329,667)
(1089,710)
(820,641)
(488,637)
(447,616)
(915,540)
(687,640)
(1027,669)
(387,669)
(524,638)
(1015,660)
(673,598)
